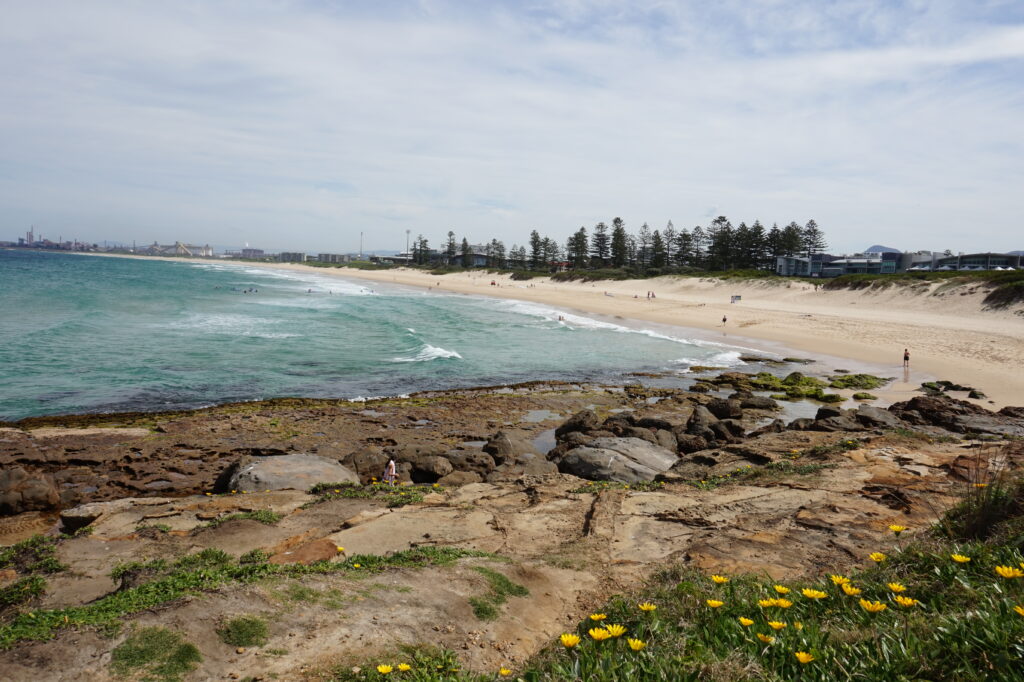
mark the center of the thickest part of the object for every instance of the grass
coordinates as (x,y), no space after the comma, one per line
(244,631)
(37,554)
(205,571)
(262,515)
(393,496)
(157,653)
(771,471)
(501,588)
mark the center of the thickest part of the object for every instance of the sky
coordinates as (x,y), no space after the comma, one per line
(299,124)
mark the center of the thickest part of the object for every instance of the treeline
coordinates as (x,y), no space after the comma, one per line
(718,246)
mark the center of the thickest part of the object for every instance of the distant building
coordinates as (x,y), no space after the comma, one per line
(291,257)
(334,258)
(889,263)
(252,253)
(178,249)
(802,266)
(978,261)
(871,263)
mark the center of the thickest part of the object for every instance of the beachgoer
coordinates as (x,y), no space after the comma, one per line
(390,474)
(906,357)
(724,320)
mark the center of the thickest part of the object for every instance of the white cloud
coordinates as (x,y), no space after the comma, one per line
(300,124)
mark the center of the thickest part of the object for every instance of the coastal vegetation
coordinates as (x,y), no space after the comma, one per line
(156,653)
(947,605)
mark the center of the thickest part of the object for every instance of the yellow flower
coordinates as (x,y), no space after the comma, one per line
(783,603)
(897,529)
(746,622)
(798,625)
(384,669)
(647,606)
(767,639)
(569,641)
(776,625)
(714,603)
(781,590)
(1019,610)
(1009,572)
(504,672)
(599,634)
(765,603)
(209,494)
(616,630)
(438,485)
(336,490)
(597,616)
(872,606)
(877,557)
(981,485)
(803,657)
(839,579)
(357,565)
(636,644)
(719,579)
(960,558)
(905,602)
(851,590)
(896,587)
(813,594)
(404,666)
(340,549)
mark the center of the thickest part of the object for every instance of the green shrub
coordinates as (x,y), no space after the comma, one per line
(157,653)
(244,631)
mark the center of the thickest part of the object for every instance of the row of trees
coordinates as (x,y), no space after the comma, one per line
(718,246)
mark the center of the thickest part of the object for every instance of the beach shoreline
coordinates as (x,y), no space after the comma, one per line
(948,334)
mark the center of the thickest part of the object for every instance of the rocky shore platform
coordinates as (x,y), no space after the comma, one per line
(571,492)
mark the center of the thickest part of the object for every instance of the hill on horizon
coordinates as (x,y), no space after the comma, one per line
(878,248)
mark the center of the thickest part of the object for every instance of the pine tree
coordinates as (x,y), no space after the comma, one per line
(813,239)
(620,247)
(658,255)
(721,244)
(498,253)
(643,247)
(792,241)
(451,246)
(467,254)
(774,243)
(684,248)
(600,247)
(536,255)
(700,246)
(668,235)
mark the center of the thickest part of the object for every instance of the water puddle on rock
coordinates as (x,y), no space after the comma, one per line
(537,416)
(544,441)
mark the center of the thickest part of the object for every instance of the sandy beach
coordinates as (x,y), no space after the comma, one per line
(948,333)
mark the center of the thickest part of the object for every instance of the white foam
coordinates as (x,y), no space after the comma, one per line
(233,324)
(428,353)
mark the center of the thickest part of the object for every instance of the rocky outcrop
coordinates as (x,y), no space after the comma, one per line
(295,472)
(22,491)
(958,416)
(626,460)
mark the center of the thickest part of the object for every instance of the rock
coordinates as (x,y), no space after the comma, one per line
(725,409)
(666,439)
(728,430)
(756,402)
(21,491)
(471,461)
(877,418)
(801,424)
(429,469)
(575,439)
(459,478)
(501,447)
(584,420)
(626,460)
(776,426)
(318,550)
(958,416)
(828,411)
(368,463)
(79,517)
(833,424)
(1014,412)
(616,423)
(298,472)
(642,434)
(654,423)
(687,443)
(699,423)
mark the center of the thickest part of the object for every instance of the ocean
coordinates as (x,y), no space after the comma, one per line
(82,334)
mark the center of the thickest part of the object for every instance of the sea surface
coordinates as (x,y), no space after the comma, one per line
(81,334)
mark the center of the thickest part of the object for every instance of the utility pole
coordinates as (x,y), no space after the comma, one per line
(360,246)
(407,254)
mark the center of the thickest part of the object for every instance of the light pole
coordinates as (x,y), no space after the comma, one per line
(407,255)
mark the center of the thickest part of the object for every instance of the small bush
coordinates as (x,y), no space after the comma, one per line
(157,653)
(244,631)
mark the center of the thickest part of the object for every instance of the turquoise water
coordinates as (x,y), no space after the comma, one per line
(86,334)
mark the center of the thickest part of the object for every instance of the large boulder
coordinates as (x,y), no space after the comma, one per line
(958,416)
(368,463)
(298,472)
(725,409)
(21,491)
(471,461)
(877,418)
(700,423)
(686,443)
(626,460)
(584,420)
(502,446)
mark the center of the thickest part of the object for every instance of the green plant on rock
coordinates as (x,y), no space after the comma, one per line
(860,395)
(501,588)
(262,515)
(861,381)
(156,653)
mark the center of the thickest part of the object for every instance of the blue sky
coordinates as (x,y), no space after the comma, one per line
(298,124)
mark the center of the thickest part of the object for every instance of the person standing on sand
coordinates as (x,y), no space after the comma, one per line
(724,320)
(906,357)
